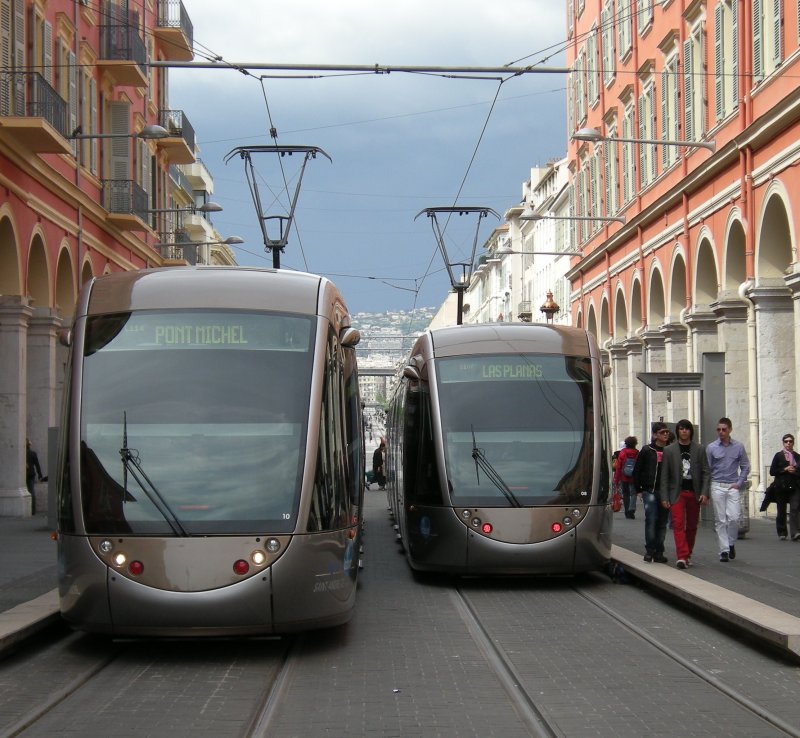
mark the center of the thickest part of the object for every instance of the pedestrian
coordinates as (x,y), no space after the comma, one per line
(646,479)
(377,464)
(32,471)
(787,488)
(623,475)
(730,467)
(685,482)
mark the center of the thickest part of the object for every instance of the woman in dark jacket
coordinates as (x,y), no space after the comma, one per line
(787,488)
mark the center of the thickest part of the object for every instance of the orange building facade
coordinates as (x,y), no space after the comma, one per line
(83,191)
(702,277)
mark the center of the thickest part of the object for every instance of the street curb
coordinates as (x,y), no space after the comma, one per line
(767,624)
(24,620)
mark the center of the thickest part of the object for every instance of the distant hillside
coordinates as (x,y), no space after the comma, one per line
(395,322)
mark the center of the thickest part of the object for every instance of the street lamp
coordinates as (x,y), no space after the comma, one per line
(208,207)
(149,133)
(229,241)
(594,136)
(504,252)
(537,216)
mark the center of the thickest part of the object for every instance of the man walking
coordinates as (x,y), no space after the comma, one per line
(729,467)
(685,484)
(646,479)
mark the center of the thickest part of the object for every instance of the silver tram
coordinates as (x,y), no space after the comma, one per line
(211,456)
(497,452)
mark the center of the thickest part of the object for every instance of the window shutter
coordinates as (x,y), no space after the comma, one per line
(6,56)
(72,78)
(641,105)
(19,56)
(664,116)
(735,53)
(120,163)
(777,36)
(47,52)
(719,77)
(758,42)
(93,126)
(688,92)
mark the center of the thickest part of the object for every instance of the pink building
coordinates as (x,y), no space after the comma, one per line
(703,276)
(83,190)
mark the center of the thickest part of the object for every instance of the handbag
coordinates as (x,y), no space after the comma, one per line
(616,502)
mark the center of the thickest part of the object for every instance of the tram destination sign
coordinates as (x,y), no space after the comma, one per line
(502,368)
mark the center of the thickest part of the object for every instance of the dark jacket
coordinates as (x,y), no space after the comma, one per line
(647,472)
(785,482)
(672,472)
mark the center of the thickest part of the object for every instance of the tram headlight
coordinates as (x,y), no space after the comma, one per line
(273,545)
(105,547)
(120,559)
(567,520)
(576,513)
(258,557)
(476,522)
(465,514)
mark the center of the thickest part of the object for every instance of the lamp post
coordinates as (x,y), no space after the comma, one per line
(594,136)
(148,133)
(537,216)
(550,307)
(459,285)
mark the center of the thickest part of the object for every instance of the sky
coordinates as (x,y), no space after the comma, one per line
(398,142)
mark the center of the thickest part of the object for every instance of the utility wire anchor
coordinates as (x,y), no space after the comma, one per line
(284,222)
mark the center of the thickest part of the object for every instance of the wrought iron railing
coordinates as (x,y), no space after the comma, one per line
(180,179)
(124,196)
(524,311)
(30,95)
(120,42)
(178,125)
(172,14)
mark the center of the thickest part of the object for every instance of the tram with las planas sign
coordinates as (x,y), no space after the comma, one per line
(498,452)
(211,455)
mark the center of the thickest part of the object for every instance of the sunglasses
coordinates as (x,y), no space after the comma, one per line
(788,440)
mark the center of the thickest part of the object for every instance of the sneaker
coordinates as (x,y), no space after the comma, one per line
(648,557)
(660,559)
(732,553)
(796,537)
(688,561)
(723,556)
(782,538)
(681,564)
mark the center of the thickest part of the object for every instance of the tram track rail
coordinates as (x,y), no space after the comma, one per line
(265,715)
(534,713)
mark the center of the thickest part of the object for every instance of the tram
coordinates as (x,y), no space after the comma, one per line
(498,452)
(211,458)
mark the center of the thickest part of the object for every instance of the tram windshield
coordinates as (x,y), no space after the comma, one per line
(517,429)
(194,422)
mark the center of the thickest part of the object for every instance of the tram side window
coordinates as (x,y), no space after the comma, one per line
(330,505)
(419,459)
(355,440)
(66,513)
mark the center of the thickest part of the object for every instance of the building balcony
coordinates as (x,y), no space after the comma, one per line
(177,249)
(524,312)
(181,182)
(179,145)
(123,55)
(174,31)
(199,176)
(126,203)
(34,115)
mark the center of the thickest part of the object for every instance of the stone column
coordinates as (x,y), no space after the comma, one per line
(702,323)
(777,393)
(793,282)
(635,398)
(656,362)
(675,350)
(731,314)
(619,378)
(15,313)
(45,379)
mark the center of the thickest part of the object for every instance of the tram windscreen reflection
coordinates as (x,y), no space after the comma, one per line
(529,417)
(212,410)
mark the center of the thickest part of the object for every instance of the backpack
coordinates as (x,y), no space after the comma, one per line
(627,468)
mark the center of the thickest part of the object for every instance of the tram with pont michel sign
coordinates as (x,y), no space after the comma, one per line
(498,454)
(211,456)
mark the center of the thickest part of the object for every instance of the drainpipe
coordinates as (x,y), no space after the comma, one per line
(752,382)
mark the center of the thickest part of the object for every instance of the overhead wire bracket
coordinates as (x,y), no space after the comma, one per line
(284,222)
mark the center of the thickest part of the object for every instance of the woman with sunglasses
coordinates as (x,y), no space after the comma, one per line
(787,488)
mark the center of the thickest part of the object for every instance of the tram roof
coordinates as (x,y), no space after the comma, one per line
(239,288)
(500,338)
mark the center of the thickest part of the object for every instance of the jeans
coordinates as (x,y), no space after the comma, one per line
(685,513)
(655,523)
(628,497)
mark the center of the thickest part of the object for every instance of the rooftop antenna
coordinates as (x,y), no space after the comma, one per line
(461,283)
(284,222)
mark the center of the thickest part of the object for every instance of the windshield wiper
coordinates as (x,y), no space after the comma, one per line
(494,477)
(130,463)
